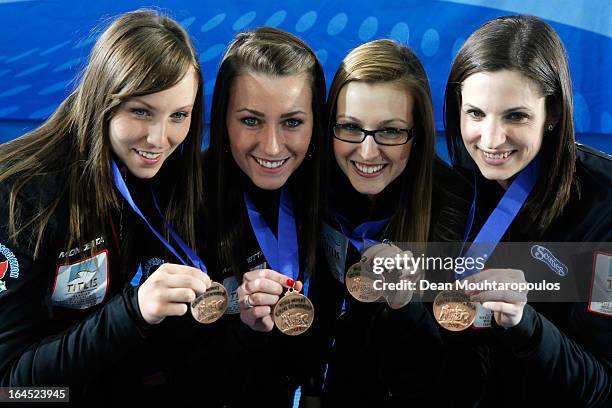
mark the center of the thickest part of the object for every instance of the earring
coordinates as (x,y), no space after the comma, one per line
(311,151)
(550,127)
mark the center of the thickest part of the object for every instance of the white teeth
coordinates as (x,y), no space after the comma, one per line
(270,164)
(369,169)
(148,155)
(496,156)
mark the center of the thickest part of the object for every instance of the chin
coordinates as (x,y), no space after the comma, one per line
(367,189)
(144,174)
(267,184)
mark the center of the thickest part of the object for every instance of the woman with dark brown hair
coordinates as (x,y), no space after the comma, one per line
(129,135)
(509,121)
(386,183)
(261,216)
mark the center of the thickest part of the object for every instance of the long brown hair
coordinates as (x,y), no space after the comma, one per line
(387,61)
(140,53)
(529,46)
(273,52)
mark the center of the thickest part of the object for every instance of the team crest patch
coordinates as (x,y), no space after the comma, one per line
(82,284)
(9,264)
(600,301)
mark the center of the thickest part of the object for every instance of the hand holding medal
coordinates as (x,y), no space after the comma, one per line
(507,305)
(293,314)
(456,310)
(172,283)
(360,277)
(259,292)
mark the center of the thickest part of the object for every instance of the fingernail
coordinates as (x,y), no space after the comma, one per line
(290,282)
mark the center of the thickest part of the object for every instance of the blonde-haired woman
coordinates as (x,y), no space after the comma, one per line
(386,184)
(128,137)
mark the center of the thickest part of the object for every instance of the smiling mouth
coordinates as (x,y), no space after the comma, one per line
(368,168)
(148,155)
(270,164)
(497,156)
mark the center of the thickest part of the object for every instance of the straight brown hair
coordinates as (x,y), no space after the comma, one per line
(384,61)
(140,53)
(531,47)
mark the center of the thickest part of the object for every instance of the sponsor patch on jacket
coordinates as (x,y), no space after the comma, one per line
(600,301)
(9,265)
(544,255)
(81,284)
(335,245)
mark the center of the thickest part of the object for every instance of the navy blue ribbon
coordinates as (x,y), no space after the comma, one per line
(125,192)
(502,216)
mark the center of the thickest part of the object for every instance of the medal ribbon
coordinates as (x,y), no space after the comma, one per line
(501,217)
(362,236)
(125,192)
(282,253)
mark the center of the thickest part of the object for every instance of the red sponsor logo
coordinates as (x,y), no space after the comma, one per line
(4,266)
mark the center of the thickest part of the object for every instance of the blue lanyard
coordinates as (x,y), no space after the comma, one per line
(502,216)
(125,192)
(363,235)
(282,253)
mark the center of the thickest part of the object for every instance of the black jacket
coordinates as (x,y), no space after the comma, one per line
(231,365)
(70,316)
(381,356)
(560,354)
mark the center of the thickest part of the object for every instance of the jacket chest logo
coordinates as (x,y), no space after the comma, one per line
(83,283)
(544,255)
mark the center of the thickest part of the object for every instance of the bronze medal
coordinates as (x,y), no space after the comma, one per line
(453,310)
(210,305)
(293,314)
(359,281)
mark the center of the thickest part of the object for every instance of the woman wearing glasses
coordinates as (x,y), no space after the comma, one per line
(383,187)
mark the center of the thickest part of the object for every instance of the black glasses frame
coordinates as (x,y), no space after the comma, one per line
(372,133)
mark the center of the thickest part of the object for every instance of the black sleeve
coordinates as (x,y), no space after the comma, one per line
(560,360)
(31,352)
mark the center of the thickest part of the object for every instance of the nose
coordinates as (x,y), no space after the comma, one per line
(368,149)
(158,134)
(272,140)
(493,134)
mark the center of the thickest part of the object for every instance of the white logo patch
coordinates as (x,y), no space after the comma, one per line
(600,301)
(82,284)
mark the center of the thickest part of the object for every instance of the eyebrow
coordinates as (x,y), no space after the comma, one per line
(513,109)
(151,107)
(283,116)
(383,123)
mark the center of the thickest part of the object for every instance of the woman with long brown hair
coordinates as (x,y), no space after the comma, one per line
(126,139)
(386,183)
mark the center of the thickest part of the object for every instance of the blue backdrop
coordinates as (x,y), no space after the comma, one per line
(44,44)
